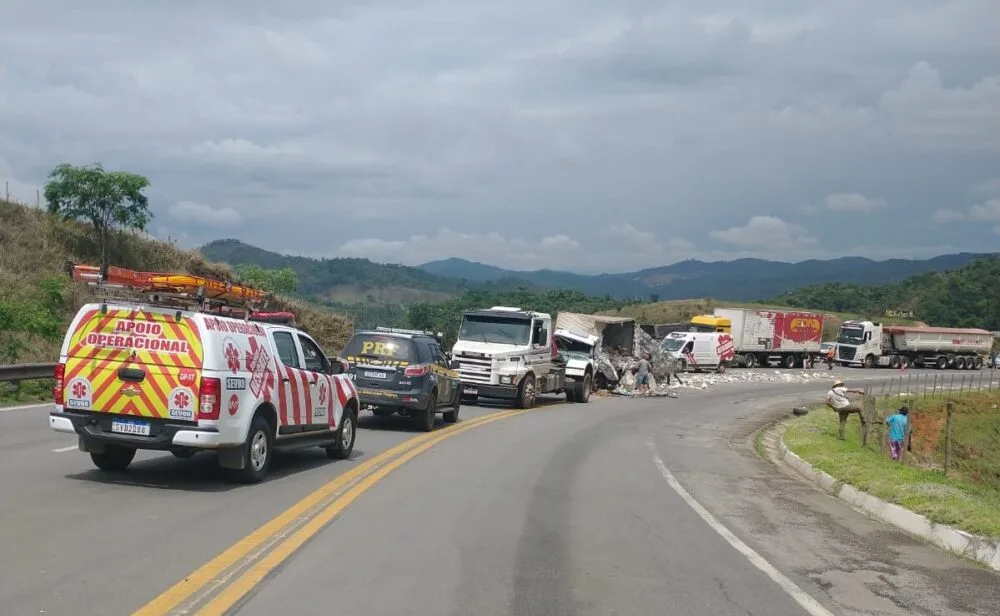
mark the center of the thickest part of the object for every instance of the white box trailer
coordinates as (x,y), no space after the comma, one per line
(760,335)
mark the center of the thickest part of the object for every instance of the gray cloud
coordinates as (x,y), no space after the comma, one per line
(581,135)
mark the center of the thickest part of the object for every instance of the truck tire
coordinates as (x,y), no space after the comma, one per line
(114,459)
(750,360)
(581,389)
(452,415)
(904,362)
(894,362)
(978,363)
(721,367)
(257,452)
(942,362)
(571,393)
(426,417)
(959,363)
(869,361)
(526,392)
(346,435)
(789,361)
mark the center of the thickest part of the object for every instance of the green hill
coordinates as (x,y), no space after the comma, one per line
(965,297)
(37,300)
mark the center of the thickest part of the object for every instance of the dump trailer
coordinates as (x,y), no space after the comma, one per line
(763,336)
(870,345)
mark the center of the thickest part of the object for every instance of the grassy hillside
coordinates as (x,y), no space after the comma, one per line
(739,280)
(37,300)
(965,297)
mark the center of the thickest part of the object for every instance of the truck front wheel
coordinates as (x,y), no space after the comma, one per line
(582,389)
(526,392)
(869,361)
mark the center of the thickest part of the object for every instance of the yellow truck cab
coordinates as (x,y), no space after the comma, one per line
(707,323)
(184,369)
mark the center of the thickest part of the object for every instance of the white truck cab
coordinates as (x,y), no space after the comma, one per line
(510,354)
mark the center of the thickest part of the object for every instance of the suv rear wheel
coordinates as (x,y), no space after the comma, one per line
(452,415)
(425,418)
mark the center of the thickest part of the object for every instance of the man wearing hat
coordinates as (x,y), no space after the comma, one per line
(837,400)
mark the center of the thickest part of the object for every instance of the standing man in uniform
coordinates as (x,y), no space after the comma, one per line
(837,399)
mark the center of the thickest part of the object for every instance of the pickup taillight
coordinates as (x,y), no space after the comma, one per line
(58,390)
(209,402)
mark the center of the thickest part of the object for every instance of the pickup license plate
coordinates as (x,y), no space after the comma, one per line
(374,375)
(472,391)
(130,426)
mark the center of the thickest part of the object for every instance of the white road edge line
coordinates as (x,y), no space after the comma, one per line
(813,607)
(4,409)
(62,449)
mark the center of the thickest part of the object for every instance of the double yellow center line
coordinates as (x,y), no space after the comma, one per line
(227,580)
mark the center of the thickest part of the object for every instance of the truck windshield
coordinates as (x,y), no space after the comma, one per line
(851,335)
(572,346)
(496,330)
(709,329)
(672,344)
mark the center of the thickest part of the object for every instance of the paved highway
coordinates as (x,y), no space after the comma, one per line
(621,506)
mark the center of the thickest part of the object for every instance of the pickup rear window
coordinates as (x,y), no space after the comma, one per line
(380,347)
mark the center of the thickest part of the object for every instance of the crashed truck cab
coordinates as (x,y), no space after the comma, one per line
(510,354)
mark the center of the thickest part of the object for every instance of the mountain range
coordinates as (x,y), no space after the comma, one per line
(348,280)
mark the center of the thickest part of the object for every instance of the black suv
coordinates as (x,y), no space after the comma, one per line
(403,371)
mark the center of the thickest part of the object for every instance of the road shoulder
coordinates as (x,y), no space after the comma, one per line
(983,550)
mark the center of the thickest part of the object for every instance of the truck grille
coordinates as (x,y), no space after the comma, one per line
(474,369)
(846,353)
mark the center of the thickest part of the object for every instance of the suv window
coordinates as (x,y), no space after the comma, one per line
(315,359)
(439,357)
(287,352)
(425,353)
(376,346)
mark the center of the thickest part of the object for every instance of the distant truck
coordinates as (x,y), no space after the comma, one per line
(870,345)
(761,336)
(510,354)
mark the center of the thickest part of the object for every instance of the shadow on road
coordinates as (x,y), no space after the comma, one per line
(201,473)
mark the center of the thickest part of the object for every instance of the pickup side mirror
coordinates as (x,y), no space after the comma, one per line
(337,365)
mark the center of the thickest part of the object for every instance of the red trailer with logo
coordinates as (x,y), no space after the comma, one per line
(764,336)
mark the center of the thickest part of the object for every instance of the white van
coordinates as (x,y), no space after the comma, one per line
(140,376)
(699,351)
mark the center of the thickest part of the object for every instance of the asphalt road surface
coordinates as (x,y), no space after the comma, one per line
(620,506)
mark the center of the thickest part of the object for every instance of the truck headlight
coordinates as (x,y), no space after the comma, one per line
(506,380)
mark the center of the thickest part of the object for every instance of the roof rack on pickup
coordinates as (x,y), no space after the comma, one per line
(179,291)
(411,332)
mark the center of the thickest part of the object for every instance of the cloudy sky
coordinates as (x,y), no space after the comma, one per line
(581,135)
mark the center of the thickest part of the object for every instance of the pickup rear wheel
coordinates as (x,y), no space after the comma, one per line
(346,435)
(257,451)
(115,458)
(526,392)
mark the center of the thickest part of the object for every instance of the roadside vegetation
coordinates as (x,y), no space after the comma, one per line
(37,299)
(967,496)
(964,297)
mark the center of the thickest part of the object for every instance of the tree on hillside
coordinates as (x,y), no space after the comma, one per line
(108,199)
(283,280)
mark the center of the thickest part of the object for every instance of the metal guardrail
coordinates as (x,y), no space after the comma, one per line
(26,372)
